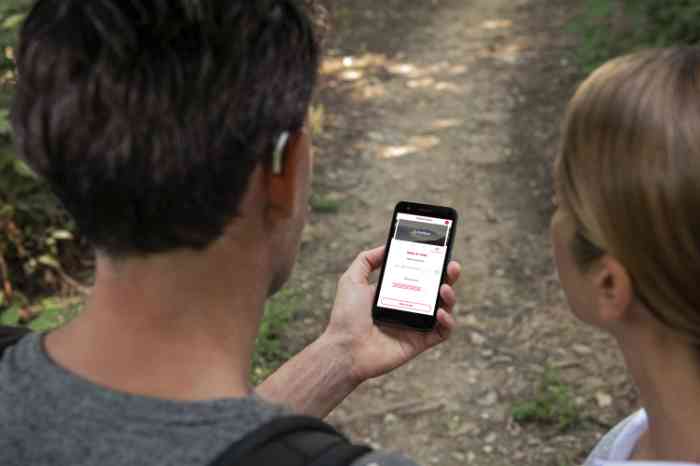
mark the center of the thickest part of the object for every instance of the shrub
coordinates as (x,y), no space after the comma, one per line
(667,22)
(613,27)
(34,229)
(552,404)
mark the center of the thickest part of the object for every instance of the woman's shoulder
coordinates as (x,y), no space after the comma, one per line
(619,443)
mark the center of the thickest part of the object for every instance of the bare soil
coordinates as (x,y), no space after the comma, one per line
(458,102)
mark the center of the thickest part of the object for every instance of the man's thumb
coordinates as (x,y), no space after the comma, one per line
(365,263)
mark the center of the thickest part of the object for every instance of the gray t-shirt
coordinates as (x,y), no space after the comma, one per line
(51,417)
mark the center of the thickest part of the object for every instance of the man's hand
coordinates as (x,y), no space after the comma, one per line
(353,349)
(377,350)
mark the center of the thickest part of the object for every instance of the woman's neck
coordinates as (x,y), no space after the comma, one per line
(667,373)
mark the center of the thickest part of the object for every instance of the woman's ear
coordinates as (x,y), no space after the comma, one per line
(289,169)
(614,293)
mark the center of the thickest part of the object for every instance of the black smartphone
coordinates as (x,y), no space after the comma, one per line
(415,265)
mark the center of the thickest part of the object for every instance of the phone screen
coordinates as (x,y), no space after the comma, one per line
(415,263)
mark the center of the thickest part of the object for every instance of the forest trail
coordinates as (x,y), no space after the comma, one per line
(458,102)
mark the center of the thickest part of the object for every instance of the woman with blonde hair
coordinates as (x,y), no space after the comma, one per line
(626,237)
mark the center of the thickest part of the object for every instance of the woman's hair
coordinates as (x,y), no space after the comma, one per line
(629,174)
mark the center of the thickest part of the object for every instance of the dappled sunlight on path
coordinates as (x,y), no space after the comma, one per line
(457,107)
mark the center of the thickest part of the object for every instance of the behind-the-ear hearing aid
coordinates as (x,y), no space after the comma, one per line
(278,155)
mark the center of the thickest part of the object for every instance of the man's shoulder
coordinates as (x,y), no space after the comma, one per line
(184,432)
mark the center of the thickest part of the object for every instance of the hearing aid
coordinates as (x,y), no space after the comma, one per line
(278,155)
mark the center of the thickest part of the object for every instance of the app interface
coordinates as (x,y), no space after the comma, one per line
(414,266)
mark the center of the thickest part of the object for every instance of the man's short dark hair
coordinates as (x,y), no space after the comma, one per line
(147,117)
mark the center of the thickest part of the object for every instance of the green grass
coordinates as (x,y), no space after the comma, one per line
(45,315)
(552,404)
(325,204)
(269,352)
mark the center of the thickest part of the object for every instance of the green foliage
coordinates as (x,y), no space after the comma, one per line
(328,204)
(12,13)
(54,313)
(11,316)
(34,229)
(269,353)
(45,315)
(669,22)
(593,27)
(613,27)
(553,404)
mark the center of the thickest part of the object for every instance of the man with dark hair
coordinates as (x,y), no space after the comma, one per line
(174,133)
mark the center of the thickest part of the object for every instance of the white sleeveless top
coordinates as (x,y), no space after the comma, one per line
(616,447)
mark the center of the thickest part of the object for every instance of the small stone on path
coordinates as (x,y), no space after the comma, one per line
(489,399)
(582,350)
(604,400)
(390,418)
(477,339)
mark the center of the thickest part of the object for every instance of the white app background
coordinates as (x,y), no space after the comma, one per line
(414,266)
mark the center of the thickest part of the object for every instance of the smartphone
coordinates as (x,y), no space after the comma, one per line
(415,265)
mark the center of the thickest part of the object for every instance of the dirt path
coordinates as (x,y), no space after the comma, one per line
(457,102)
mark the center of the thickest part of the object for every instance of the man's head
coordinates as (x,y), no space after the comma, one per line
(149,117)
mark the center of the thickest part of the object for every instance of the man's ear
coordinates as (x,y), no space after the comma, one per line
(613,288)
(287,170)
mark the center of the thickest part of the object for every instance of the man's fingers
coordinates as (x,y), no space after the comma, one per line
(446,320)
(454,269)
(446,323)
(448,296)
(365,263)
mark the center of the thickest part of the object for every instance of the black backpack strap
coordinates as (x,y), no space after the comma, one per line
(342,454)
(9,336)
(292,441)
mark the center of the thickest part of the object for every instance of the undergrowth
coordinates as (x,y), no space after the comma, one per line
(552,404)
(38,243)
(269,351)
(613,27)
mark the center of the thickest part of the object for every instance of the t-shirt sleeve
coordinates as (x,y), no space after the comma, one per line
(382,458)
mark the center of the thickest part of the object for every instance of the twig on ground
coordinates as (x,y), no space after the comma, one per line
(438,405)
(419,407)
(598,422)
(73,283)
(6,285)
